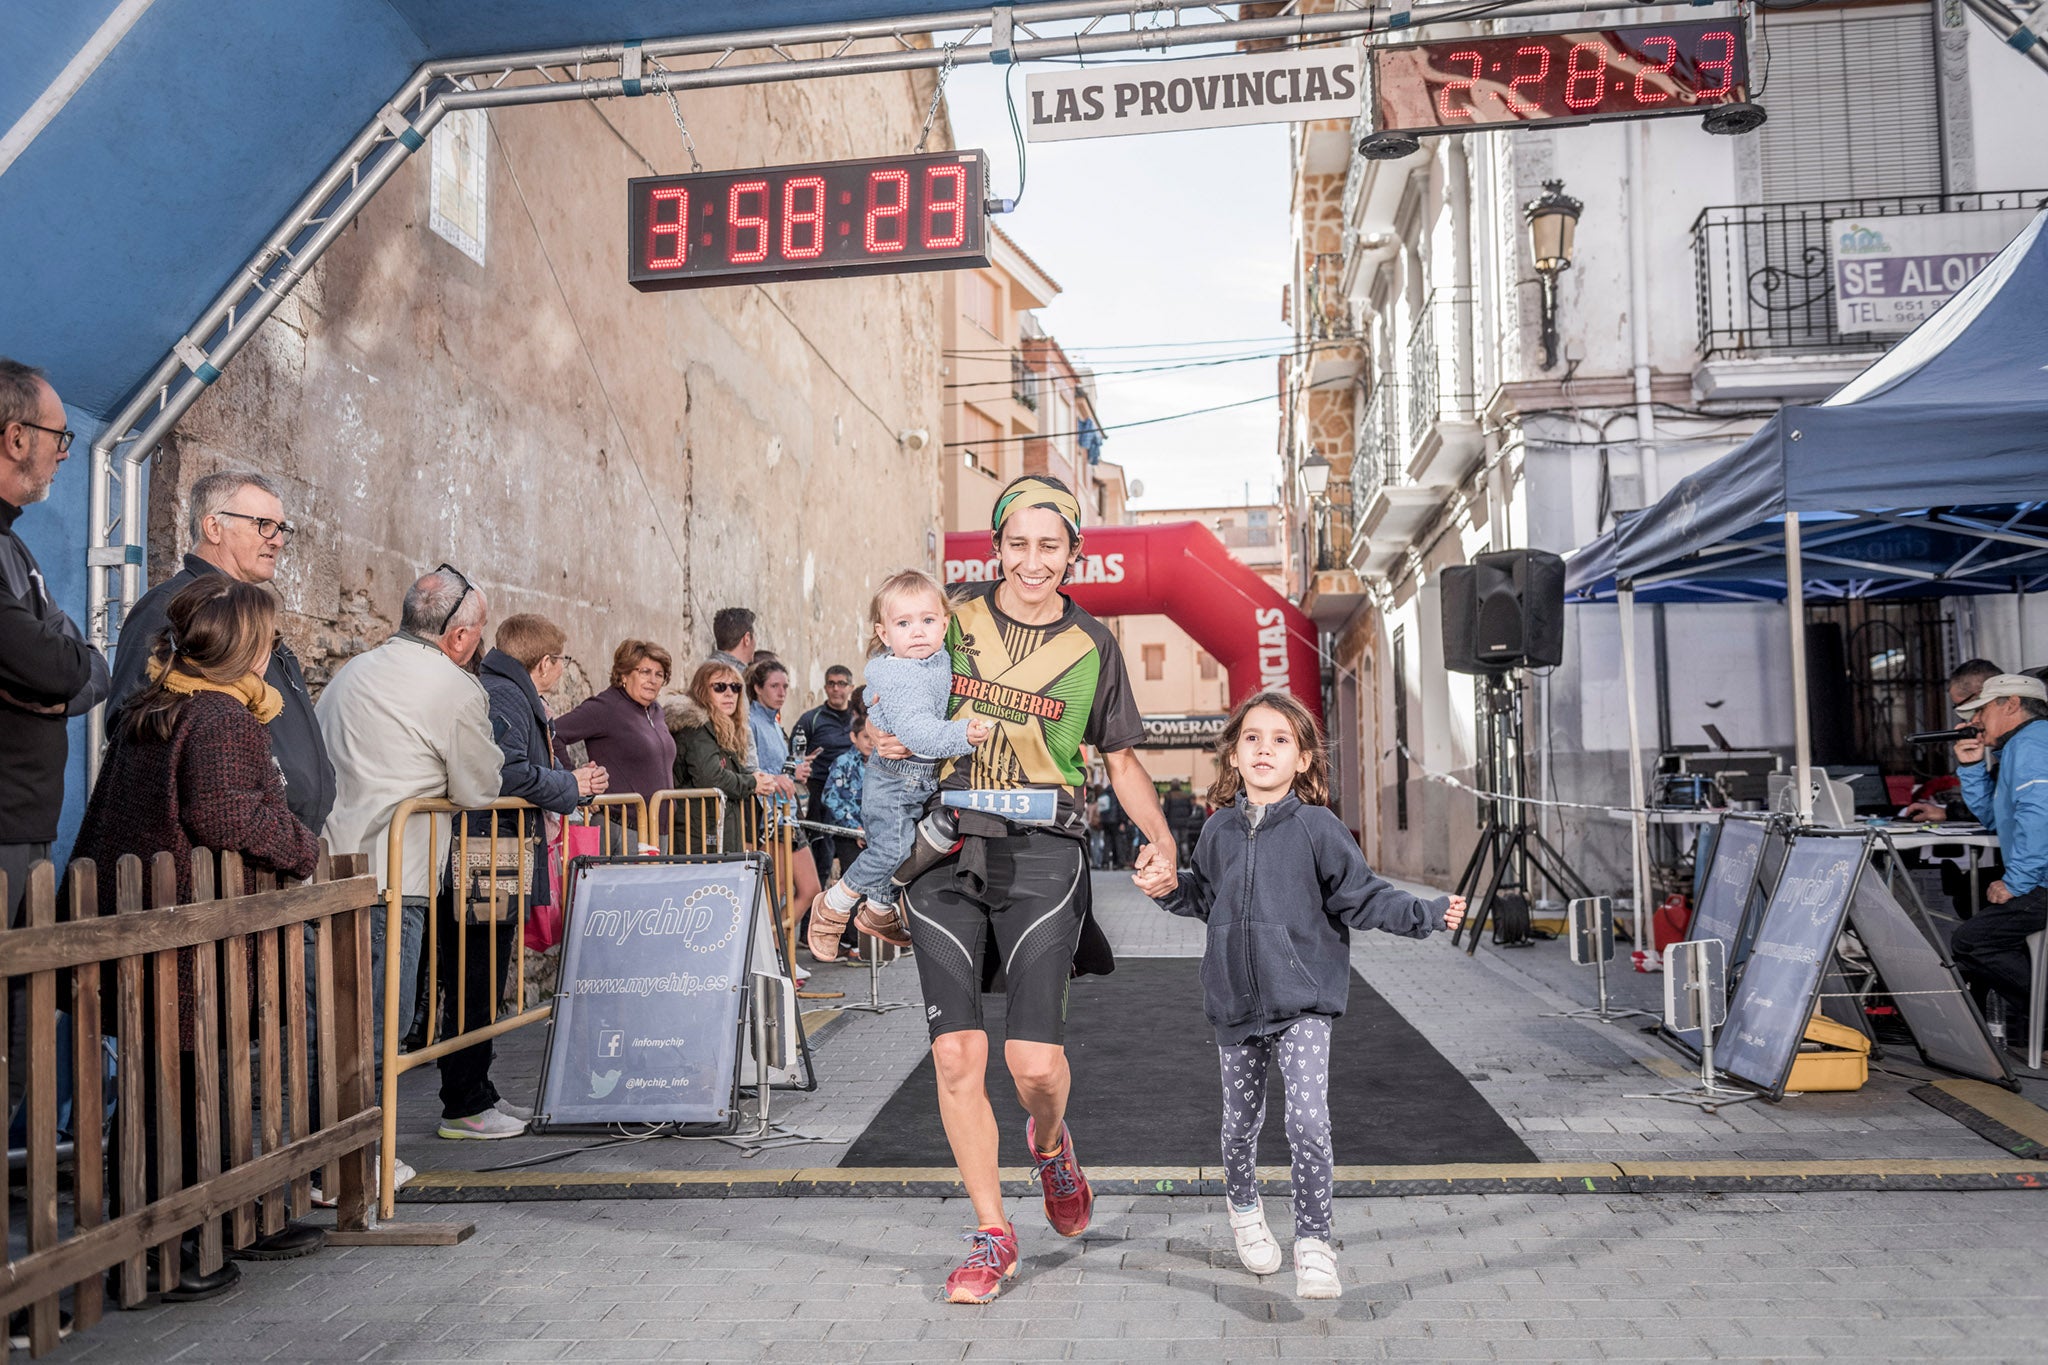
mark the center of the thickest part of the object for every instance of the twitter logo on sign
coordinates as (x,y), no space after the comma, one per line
(602,1085)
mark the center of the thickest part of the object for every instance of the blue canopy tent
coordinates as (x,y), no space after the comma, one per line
(1925,476)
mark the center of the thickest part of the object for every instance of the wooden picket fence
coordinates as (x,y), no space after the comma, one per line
(257,1145)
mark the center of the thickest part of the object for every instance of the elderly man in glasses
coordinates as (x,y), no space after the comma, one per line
(409,719)
(238,529)
(47,670)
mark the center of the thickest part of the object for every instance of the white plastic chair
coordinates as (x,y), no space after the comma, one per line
(2037,947)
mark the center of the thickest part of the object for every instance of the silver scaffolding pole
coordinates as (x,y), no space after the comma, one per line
(994,34)
(1639,831)
(1795,620)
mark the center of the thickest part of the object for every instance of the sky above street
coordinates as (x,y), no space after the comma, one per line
(1171,248)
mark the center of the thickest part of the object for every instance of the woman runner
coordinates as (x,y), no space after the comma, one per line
(1052,679)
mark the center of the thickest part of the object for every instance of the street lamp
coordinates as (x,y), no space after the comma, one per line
(1553,221)
(1315,476)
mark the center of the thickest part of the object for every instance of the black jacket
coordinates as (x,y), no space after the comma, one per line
(825,738)
(526,736)
(46,661)
(1281,900)
(294,736)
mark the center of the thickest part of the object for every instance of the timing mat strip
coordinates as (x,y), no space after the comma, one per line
(1992,1112)
(1592,1177)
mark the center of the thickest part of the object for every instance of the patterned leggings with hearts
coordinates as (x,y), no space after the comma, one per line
(1303,1051)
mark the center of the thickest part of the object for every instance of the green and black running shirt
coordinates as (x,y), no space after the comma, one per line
(1047,689)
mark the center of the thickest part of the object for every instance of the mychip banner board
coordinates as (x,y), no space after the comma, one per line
(1794,945)
(1923,985)
(1733,889)
(653,991)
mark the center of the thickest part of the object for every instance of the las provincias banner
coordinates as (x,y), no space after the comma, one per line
(1210,92)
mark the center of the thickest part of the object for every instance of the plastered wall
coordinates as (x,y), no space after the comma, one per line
(626,463)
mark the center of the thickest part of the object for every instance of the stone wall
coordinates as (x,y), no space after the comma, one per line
(626,463)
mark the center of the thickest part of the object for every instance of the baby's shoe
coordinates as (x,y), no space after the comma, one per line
(884,922)
(1255,1244)
(1315,1270)
(826,926)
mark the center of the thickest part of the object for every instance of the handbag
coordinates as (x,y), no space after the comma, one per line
(575,840)
(496,876)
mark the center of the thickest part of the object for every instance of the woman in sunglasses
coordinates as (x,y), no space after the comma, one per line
(712,747)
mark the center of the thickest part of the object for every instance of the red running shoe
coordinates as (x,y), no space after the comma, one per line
(1068,1199)
(993,1260)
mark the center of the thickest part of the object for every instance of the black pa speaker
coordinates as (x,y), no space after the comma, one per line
(1457,587)
(1504,610)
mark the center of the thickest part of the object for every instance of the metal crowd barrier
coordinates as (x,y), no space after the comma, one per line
(489,876)
(688,819)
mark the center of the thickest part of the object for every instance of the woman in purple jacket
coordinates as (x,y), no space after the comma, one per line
(622,728)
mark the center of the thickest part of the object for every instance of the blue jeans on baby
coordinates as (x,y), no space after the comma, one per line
(893,795)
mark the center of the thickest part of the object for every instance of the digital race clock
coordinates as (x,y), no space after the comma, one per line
(1577,76)
(885,215)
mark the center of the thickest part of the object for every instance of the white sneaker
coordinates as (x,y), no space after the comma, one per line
(1255,1244)
(488,1126)
(517,1111)
(1315,1270)
(401,1173)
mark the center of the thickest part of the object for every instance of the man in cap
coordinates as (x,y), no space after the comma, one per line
(1990,949)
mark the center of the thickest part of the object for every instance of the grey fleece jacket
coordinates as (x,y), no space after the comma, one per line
(1281,898)
(907,697)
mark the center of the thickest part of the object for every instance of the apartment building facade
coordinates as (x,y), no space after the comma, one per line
(1422,426)
(1015,402)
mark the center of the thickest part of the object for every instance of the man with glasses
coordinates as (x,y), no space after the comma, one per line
(48,672)
(2010,713)
(409,719)
(826,734)
(238,529)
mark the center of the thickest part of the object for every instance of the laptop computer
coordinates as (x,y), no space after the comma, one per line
(1834,803)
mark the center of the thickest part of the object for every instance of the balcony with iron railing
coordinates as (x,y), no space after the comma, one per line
(1391,504)
(1333,528)
(1763,273)
(1024,381)
(1382,446)
(1440,387)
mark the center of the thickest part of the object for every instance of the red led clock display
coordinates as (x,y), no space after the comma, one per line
(886,215)
(1578,76)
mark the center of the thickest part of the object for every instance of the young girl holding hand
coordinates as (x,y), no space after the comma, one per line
(1281,884)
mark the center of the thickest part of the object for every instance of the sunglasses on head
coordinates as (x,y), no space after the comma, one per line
(725,687)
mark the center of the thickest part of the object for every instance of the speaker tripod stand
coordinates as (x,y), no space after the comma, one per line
(1510,853)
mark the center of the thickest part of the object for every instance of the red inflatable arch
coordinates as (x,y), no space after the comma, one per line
(1181,571)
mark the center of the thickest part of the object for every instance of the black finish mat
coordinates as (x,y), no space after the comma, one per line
(1147,1090)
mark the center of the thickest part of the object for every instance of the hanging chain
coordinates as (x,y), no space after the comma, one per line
(938,93)
(688,144)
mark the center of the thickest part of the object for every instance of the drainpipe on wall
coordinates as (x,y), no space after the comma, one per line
(1637,138)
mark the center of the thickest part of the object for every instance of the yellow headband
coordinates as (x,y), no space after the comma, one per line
(1038,493)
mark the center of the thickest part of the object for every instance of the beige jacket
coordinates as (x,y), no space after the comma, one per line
(403,721)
